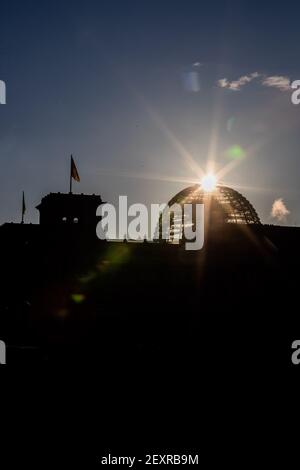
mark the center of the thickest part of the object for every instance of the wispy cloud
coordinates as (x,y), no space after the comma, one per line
(279,210)
(277,81)
(236,85)
(280,82)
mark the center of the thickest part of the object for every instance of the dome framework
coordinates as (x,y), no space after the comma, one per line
(231,204)
(223,205)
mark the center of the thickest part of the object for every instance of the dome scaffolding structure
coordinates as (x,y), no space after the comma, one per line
(223,205)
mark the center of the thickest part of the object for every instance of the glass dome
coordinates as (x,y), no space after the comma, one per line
(222,205)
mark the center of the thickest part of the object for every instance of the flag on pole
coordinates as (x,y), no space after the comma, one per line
(23,207)
(74,172)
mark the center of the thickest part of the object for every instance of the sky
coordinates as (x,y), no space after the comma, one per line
(146,95)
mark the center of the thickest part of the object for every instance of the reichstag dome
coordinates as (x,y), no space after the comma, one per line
(222,205)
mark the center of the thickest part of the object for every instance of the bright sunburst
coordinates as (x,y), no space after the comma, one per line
(209,182)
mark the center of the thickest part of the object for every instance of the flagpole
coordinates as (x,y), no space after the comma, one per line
(71,175)
(23,206)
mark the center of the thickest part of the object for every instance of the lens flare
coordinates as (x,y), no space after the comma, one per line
(236,153)
(209,182)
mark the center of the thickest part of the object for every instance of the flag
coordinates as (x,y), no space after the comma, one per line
(74,172)
(23,208)
(23,205)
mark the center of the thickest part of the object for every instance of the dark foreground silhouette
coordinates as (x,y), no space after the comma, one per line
(67,297)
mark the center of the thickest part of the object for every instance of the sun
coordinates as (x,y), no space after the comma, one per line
(209,182)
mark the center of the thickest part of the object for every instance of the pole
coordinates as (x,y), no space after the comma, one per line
(71,175)
(23,208)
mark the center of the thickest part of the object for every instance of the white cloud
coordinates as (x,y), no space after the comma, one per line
(236,85)
(277,81)
(279,210)
(223,83)
(280,82)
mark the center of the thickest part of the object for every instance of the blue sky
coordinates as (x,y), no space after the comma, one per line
(132,89)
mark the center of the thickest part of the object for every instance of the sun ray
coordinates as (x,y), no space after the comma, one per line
(170,136)
(147,176)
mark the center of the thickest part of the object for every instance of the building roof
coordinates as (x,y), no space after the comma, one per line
(69,198)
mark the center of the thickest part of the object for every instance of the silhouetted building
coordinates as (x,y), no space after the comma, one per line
(64,291)
(59,208)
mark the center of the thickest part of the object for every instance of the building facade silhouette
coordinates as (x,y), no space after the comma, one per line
(67,209)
